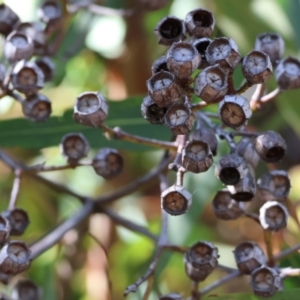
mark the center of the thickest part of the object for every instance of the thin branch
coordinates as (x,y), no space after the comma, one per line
(230,82)
(287,252)
(181,142)
(268,242)
(288,272)
(10,162)
(255,99)
(244,133)
(197,106)
(264,99)
(194,290)
(243,88)
(252,216)
(15,189)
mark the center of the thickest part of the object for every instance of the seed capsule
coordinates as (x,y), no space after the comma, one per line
(160,64)
(176,200)
(246,149)
(249,256)
(287,73)
(4,230)
(8,19)
(18,220)
(26,290)
(151,112)
(201,46)
(47,66)
(50,12)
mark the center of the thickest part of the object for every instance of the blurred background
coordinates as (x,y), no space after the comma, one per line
(114,55)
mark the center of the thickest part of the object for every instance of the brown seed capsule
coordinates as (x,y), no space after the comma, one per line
(197,156)
(26,290)
(170,29)
(265,281)
(179,118)
(47,66)
(270,146)
(249,256)
(257,67)
(273,216)
(272,44)
(108,163)
(183,59)
(163,89)
(211,84)
(176,200)
(287,73)
(8,19)
(151,112)
(18,220)
(14,258)
(90,109)
(223,51)
(246,149)
(37,107)
(4,230)
(159,65)
(154,4)
(225,207)
(275,185)
(50,12)
(200,260)
(235,111)
(201,46)
(74,146)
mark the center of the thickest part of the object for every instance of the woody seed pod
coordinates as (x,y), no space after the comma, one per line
(26,290)
(246,149)
(90,109)
(200,260)
(151,112)
(18,220)
(159,64)
(8,19)
(248,256)
(4,230)
(287,73)
(265,281)
(172,296)
(108,163)
(47,66)
(211,84)
(273,216)
(201,46)
(50,12)
(270,146)
(176,200)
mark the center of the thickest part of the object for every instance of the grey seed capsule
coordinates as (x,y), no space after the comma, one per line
(47,66)
(201,46)
(4,230)
(246,149)
(26,290)
(8,19)
(18,220)
(50,11)
(287,73)
(159,64)
(151,112)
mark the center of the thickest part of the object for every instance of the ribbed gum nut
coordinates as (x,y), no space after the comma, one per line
(8,19)
(270,146)
(2,72)
(275,185)
(26,290)
(176,200)
(154,4)
(197,156)
(50,11)
(200,23)
(159,64)
(265,281)
(172,296)
(211,84)
(18,220)
(287,73)
(180,119)
(14,258)
(37,107)
(244,190)
(208,136)
(163,89)
(151,112)
(4,230)
(183,59)
(257,67)
(90,109)
(201,46)
(170,29)
(108,163)
(47,66)
(272,44)
(223,51)
(273,216)
(234,111)
(249,256)
(231,168)
(200,260)
(246,149)
(18,46)
(27,77)
(225,207)
(74,146)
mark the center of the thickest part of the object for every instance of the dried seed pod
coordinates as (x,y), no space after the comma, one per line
(18,220)
(287,73)
(183,59)
(225,207)
(265,281)
(37,107)
(154,4)
(27,77)
(160,64)
(275,185)
(14,258)
(108,163)
(270,146)
(90,109)
(200,260)
(47,66)
(50,12)
(18,46)
(273,216)
(170,29)
(4,230)
(8,19)
(249,256)
(201,46)
(163,89)
(211,84)
(151,112)
(272,44)
(176,200)
(246,149)
(223,51)
(235,111)
(74,146)
(197,156)
(200,23)
(179,118)
(244,190)
(257,67)
(26,290)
